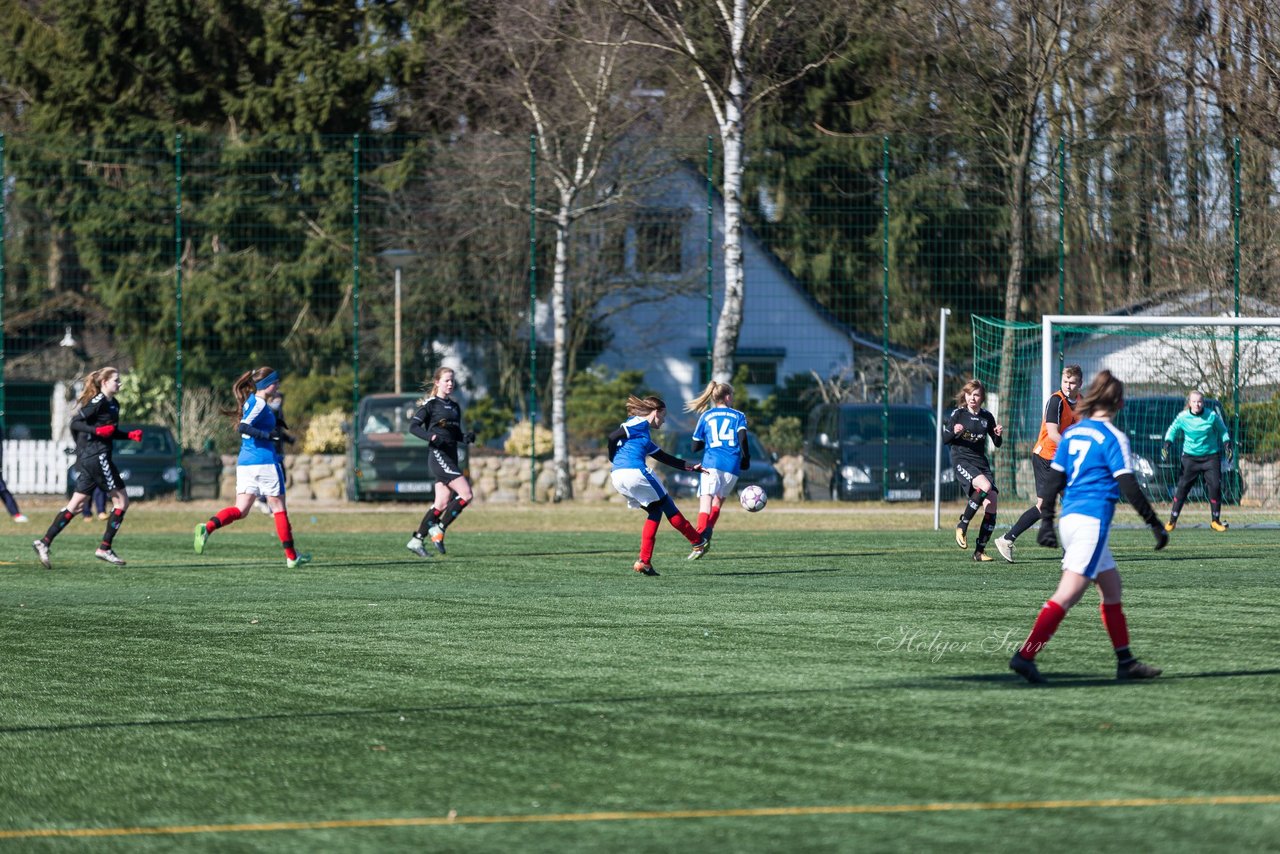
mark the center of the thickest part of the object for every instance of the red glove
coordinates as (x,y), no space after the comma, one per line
(106,431)
(135,435)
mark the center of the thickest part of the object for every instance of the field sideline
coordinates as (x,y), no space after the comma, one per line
(813,684)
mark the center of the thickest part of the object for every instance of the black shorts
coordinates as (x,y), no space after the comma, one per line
(443,466)
(967,470)
(97,471)
(1042,469)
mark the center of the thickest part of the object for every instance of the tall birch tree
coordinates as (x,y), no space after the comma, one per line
(738,53)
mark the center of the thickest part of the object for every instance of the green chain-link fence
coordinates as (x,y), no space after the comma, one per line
(188,259)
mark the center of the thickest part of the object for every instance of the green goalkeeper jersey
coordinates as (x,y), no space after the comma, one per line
(1202,434)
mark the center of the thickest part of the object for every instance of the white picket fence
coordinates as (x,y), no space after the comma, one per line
(35,466)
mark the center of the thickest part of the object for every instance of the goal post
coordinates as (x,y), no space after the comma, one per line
(1233,361)
(1050,362)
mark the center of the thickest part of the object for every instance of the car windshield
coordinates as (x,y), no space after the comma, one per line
(905,425)
(387,416)
(153,442)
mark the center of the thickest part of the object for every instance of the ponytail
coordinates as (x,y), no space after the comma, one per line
(93,384)
(714,394)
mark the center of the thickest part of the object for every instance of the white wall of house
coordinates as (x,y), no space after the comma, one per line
(667,338)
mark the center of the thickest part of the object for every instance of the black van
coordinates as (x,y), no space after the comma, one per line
(849,448)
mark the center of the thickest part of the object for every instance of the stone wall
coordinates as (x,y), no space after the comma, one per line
(320,477)
(323,477)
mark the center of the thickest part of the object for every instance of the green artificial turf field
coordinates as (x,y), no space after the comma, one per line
(804,687)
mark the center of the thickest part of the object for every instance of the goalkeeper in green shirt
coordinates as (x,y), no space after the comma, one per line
(1204,440)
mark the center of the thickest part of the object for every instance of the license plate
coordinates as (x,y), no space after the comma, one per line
(415,486)
(904,495)
(135,491)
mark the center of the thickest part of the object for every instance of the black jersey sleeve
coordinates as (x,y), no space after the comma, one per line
(949,431)
(82,420)
(1053,409)
(418,426)
(668,460)
(991,431)
(614,441)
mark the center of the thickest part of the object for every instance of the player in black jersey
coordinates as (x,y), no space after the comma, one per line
(967,432)
(94,426)
(438,422)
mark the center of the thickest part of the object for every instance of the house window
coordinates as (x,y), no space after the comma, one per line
(659,241)
(761,365)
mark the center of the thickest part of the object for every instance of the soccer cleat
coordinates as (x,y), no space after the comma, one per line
(1218,526)
(109,556)
(20,517)
(415,545)
(962,538)
(295,562)
(1005,547)
(436,533)
(42,552)
(1027,669)
(1169,526)
(202,537)
(982,557)
(102,516)
(700,549)
(1136,670)
(644,567)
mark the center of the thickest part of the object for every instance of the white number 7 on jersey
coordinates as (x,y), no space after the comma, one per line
(1078,449)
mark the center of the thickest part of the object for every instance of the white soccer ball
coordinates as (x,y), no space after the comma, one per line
(753,498)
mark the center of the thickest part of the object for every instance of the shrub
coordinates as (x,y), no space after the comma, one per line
(783,436)
(517,444)
(598,404)
(487,419)
(324,434)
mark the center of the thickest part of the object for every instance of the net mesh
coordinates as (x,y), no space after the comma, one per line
(1237,369)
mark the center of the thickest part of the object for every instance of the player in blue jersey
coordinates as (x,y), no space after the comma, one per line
(283,437)
(721,436)
(259,470)
(94,426)
(629,447)
(1091,468)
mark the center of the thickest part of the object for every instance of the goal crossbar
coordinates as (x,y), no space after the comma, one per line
(1049,321)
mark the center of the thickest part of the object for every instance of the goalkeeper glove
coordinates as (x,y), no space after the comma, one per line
(1164,451)
(106,431)
(469,437)
(1231,451)
(135,435)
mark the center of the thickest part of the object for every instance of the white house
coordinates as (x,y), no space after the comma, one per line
(784,330)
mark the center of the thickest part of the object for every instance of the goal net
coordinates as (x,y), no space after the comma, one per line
(1233,361)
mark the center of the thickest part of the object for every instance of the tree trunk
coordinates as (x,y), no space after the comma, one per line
(731,138)
(559,358)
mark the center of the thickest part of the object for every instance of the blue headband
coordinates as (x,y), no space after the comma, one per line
(270,378)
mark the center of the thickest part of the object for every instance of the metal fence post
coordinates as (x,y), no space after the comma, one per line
(355,302)
(177,287)
(533,315)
